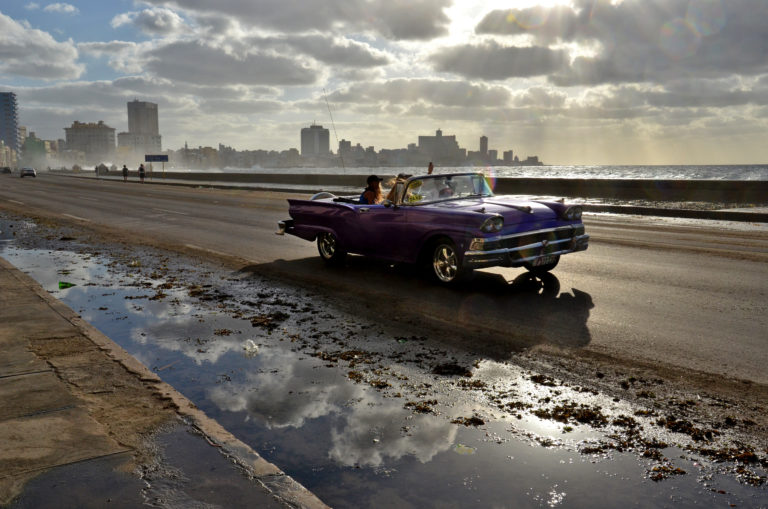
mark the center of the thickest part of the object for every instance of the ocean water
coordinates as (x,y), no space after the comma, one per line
(680,172)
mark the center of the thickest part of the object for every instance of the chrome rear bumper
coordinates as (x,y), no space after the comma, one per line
(283,226)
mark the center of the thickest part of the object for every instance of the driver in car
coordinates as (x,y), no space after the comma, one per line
(445,189)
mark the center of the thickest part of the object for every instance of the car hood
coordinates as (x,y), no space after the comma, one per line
(513,210)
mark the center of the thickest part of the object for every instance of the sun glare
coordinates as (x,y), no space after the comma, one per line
(467,14)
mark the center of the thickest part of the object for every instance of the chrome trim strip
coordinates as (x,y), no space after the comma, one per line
(500,238)
(479,259)
(578,239)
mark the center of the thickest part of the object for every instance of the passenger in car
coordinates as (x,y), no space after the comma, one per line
(400,179)
(372,194)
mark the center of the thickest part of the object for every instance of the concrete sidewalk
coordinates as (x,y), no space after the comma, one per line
(83,424)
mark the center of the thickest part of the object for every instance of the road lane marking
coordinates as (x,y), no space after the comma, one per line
(17,202)
(220,253)
(171,211)
(77,217)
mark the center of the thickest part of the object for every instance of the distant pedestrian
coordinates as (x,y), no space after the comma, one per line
(125,173)
(141,173)
(430,169)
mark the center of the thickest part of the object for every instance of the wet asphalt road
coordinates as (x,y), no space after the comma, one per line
(687,296)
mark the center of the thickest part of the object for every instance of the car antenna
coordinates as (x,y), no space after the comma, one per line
(341,157)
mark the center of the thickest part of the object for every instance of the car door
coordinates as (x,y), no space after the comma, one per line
(380,231)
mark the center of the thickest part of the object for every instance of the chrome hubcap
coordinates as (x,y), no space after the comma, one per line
(445,263)
(327,243)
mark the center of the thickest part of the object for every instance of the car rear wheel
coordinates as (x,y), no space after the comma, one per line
(329,249)
(446,264)
(543,268)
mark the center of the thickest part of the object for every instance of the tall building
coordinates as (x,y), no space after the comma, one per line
(483,145)
(441,149)
(143,136)
(9,121)
(315,141)
(345,146)
(95,140)
(142,117)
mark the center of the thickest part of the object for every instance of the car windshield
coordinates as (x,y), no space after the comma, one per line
(437,188)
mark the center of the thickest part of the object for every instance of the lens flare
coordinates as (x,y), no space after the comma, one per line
(528,18)
(490,176)
(706,16)
(678,39)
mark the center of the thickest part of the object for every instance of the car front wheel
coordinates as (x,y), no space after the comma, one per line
(446,264)
(329,249)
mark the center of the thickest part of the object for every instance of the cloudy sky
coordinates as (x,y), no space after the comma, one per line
(572,81)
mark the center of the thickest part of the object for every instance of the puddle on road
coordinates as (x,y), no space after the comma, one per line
(365,414)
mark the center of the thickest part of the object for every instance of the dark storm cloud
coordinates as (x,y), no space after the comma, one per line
(324,49)
(239,106)
(190,62)
(163,90)
(108,99)
(394,19)
(647,40)
(404,19)
(492,61)
(545,23)
(714,94)
(407,91)
(682,94)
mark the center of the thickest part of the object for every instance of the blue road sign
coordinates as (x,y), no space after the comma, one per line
(155,158)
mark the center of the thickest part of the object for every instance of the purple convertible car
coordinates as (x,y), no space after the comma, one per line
(451,224)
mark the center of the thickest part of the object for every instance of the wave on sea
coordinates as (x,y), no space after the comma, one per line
(679,172)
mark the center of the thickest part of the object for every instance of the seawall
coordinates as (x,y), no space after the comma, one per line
(738,191)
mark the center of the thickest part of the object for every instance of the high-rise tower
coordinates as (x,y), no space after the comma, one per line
(9,121)
(143,136)
(315,141)
(142,117)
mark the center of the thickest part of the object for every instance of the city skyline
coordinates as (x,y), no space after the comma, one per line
(576,82)
(97,143)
